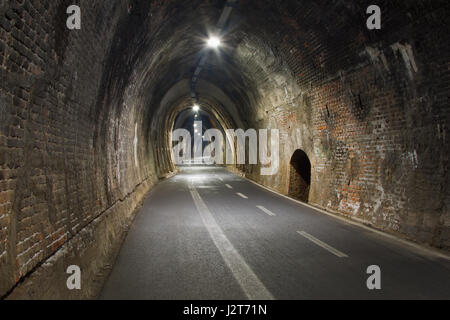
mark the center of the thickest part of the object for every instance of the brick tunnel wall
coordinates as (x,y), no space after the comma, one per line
(73,164)
(370,109)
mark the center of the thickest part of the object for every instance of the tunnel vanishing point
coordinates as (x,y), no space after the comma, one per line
(86,117)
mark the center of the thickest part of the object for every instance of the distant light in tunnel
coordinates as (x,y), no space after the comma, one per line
(214,42)
(196,108)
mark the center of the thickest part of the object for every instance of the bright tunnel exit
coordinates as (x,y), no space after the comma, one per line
(193,140)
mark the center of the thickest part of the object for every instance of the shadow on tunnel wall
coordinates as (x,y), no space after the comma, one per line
(300,176)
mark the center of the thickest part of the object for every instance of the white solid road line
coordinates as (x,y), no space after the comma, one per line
(323,244)
(270,213)
(228,186)
(253,288)
(242,195)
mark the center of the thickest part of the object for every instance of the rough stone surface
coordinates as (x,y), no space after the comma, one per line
(85,115)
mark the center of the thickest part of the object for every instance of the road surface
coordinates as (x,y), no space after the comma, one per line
(209,234)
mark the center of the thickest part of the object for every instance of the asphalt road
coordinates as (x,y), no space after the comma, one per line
(209,234)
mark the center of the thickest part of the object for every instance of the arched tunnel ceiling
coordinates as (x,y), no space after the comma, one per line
(160,43)
(159,59)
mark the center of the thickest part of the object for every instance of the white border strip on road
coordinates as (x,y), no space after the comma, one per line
(322,244)
(359,223)
(270,213)
(253,288)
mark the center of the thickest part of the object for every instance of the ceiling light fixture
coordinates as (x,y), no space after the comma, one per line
(196,108)
(214,42)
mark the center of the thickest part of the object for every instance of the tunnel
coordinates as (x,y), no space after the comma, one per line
(344,148)
(300,176)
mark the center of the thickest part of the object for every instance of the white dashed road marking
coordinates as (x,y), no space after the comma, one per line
(242,195)
(323,244)
(270,213)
